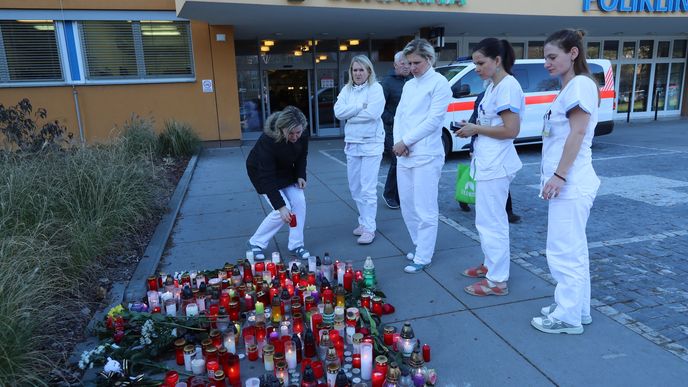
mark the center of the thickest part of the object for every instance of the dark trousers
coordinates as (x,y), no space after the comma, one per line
(391,191)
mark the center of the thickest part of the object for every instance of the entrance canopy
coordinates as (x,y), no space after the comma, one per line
(284,19)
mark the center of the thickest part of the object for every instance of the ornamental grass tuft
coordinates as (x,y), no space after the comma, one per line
(178,140)
(59,212)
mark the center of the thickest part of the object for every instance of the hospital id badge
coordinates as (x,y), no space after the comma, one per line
(546,124)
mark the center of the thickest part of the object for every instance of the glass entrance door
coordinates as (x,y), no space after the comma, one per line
(285,88)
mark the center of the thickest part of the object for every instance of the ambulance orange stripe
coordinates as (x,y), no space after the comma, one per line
(532,100)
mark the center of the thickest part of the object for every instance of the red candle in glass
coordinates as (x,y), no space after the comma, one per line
(318,370)
(311,278)
(259,268)
(388,336)
(153,283)
(278,344)
(171,378)
(426,353)
(365,301)
(316,320)
(248,302)
(378,379)
(295,277)
(377,306)
(395,341)
(297,324)
(305,362)
(224,300)
(179,351)
(252,351)
(328,296)
(290,288)
(212,366)
(249,331)
(272,269)
(233,370)
(356,360)
(310,302)
(234,311)
(282,276)
(348,280)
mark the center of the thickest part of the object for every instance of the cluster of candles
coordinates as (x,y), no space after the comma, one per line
(295,321)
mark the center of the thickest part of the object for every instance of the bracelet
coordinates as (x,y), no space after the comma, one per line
(559,176)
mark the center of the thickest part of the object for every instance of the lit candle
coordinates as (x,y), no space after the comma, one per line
(260,308)
(153,299)
(378,379)
(356,360)
(290,354)
(366,360)
(229,341)
(340,273)
(198,366)
(189,351)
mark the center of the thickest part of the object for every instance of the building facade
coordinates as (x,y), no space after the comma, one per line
(224,65)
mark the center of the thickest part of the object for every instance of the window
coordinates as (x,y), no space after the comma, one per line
(135,50)
(29,52)
(663,49)
(679,49)
(471,84)
(593,50)
(536,49)
(534,78)
(611,49)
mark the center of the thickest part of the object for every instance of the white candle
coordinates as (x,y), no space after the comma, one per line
(350,331)
(200,301)
(290,354)
(312,264)
(366,361)
(229,341)
(340,273)
(284,328)
(192,310)
(188,358)
(171,308)
(198,366)
(275,257)
(153,299)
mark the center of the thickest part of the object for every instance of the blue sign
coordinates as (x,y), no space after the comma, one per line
(638,6)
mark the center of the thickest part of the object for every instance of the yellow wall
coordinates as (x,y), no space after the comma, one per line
(167,5)
(105,106)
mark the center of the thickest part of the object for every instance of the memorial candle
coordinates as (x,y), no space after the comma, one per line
(290,354)
(366,361)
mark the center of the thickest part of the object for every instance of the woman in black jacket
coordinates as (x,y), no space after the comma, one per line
(277,169)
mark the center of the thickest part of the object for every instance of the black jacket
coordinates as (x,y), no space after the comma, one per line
(392,86)
(272,166)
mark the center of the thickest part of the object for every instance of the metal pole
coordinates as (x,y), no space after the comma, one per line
(656,101)
(78,116)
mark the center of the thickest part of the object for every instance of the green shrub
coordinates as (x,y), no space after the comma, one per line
(178,139)
(30,283)
(138,137)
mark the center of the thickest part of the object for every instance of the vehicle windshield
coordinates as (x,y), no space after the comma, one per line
(450,71)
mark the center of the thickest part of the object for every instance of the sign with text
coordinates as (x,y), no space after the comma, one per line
(424,2)
(637,6)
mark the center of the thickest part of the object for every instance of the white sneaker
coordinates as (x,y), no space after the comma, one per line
(547,310)
(552,325)
(366,238)
(358,231)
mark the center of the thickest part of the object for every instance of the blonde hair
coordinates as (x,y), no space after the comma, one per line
(367,64)
(421,47)
(287,119)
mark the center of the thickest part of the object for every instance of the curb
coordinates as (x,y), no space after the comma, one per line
(136,288)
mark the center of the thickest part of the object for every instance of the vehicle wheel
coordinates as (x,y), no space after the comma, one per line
(446,143)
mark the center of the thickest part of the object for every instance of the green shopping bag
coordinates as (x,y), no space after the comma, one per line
(465,185)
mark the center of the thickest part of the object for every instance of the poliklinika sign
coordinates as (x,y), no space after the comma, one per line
(637,6)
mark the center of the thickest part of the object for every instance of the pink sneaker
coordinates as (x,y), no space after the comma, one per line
(366,238)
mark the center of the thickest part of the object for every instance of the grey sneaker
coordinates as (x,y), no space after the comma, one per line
(547,310)
(301,252)
(358,231)
(366,238)
(256,250)
(552,325)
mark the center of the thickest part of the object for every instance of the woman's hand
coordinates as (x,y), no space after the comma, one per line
(400,149)
(467,130)
(301,183)
(285,214)
(552,188)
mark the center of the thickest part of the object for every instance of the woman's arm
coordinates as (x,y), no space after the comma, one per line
(441,96)
(510,128)
(344,110)
(374,107)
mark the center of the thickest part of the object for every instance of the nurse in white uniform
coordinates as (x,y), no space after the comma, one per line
(568,182)
(494,162)
(418,146)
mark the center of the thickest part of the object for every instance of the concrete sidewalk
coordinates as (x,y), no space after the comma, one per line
(475,341)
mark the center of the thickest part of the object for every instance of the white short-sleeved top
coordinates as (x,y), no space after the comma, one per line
(581,179)
(494,158)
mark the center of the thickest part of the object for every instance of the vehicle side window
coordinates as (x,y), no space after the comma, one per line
(536,78)
(521,74)
(468,86)
(597,73)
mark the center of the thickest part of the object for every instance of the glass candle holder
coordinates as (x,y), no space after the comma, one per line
(366,361)
(179,345)
(268,357)
(153,283)
(252,352)
(388,335)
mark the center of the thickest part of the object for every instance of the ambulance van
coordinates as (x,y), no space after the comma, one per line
(539,88)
